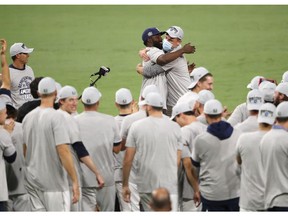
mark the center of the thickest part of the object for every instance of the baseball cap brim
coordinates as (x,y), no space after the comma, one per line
(268,120)
(192,85)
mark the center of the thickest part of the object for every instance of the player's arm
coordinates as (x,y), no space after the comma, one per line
(6,83)
(84,157)
(67,162)
(151,70)
(127,164)
(169,57)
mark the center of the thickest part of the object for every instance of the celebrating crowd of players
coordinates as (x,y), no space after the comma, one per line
(176,149)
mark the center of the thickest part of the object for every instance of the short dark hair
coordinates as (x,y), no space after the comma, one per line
(214,116)
(34,87)
(202,79)
(13,57)
(12,112)
(157,108)
(281,119)
(125,106)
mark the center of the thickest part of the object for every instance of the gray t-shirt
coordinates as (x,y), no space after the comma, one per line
(252,181)
(190,132)
(20,85)
(157,141)
(6,149)
(274,153)
(177,76)
(217,159)
(74,136)
(239,114)
(99,133)
(16,171)
(248,125)
(44,170)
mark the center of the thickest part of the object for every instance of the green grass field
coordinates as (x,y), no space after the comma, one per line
(235,43)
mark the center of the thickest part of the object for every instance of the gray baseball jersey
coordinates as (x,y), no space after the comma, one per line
(160,79)
(16,171)
(177,76)
(99,133)
(239,114)
(44,170)
(274,151)
(20,85)
(157,141)
(6,149)
(248,125)
(252,182)
(190,132)
(74,136)
(218,179)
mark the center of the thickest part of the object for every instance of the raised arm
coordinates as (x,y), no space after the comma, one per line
(169,57)
(6,83)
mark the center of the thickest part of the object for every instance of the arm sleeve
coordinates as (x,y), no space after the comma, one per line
(80,149)
(151,70)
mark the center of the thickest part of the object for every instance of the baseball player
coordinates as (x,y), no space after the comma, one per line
(249,157)
(241,113)
(68,100)
(255,99)
(21,74)
(124,103)
(7,152)
(46,179)
(184,114)
(201,79)
(204,96)
(281,93)
(158,143)
(18,196)
(100,135)
(214,152)
(274,150)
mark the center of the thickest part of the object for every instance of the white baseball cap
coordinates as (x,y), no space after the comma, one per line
(267,113)
(17,48)
(90,95)
(2,104)
(282,88)
(196,75)
(268,89)
(183,107)
(254,83)
(67,91)
(213,107)
(205,95)
(255,99)
(282,110)
(47,85)
(123,96)
(188,96)
(154,99)
(285,77)
(148,89)
(175,32)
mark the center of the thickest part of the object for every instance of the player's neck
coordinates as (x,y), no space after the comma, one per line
(18,65)
(47,102)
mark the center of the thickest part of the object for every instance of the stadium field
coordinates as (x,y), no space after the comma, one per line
(235,43)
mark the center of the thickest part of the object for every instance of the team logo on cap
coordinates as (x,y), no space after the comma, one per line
(23,46)
(215,110)
(173,29)
(255,100)
(150,34)
(73,92)
(124,101)
(266,113)
(88,101)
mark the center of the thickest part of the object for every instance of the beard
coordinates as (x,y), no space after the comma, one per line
(157,45)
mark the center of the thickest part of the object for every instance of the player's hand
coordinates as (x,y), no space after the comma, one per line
(225,112)
(100,181)
(139,68)
(143,54)
(3,46)
(76,193)
(126,193)
(197,198)
(9,125)
(191,67)
(187,48)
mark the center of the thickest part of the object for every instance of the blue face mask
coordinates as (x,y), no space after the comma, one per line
(167,46)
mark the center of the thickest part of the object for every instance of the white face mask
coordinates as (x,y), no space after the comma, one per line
(167,46)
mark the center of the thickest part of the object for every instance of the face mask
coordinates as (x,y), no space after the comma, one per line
(167,46)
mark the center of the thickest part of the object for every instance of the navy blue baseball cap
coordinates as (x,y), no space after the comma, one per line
(150,32)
